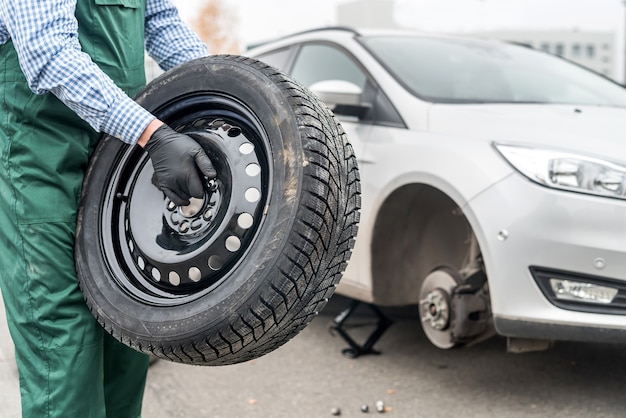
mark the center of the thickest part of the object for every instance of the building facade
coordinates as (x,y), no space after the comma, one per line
(371,14)
(594,50)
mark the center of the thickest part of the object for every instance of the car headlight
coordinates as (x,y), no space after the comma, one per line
(567,171)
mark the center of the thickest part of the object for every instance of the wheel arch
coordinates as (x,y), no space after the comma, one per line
(417,228)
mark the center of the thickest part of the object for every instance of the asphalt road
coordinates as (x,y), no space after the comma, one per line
(309,376)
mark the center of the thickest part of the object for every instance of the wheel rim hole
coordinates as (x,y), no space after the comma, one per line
(140,263)
(215,262)
(156,274)
(174,278)
(245,221)
(234,131)
(246,148)
(253,170)
(252,195)
(195,274)
(233,244)
(217,123)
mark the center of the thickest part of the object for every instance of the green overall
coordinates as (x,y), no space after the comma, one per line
(68,366)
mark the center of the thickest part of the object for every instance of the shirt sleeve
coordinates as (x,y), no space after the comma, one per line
(45,36)
(169,41)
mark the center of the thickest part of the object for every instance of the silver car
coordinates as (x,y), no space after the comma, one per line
(493,182)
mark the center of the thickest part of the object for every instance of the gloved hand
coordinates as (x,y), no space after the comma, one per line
(178,161)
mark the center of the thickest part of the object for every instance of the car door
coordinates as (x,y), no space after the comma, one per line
(314,63)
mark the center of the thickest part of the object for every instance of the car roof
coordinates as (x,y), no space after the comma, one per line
(335,33)
(339,33)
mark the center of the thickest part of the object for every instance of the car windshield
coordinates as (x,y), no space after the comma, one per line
(466,71)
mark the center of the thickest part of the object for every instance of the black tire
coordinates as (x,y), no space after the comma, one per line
(150,282)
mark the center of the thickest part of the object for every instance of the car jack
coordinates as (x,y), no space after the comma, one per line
(355,350)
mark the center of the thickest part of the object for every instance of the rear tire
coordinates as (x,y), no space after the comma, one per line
(231,289)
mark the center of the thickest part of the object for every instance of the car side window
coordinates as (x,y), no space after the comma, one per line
(311,63)
(317,62)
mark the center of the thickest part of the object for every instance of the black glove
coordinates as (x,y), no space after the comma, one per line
(178,161)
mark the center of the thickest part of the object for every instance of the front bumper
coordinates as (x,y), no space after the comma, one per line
(520,224)
(558,332)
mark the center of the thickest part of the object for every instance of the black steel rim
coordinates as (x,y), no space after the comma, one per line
(167,255)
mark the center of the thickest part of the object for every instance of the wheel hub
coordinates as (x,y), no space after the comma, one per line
(435,306)
(195,217)
(436,309)
(191,210)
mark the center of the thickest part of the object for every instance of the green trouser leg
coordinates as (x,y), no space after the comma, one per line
(68,366)
(124,377)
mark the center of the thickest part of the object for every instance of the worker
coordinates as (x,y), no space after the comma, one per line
(68,70)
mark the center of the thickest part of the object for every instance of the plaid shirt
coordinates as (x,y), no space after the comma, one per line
(45,36)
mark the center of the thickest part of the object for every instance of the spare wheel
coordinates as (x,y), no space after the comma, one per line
(236,274)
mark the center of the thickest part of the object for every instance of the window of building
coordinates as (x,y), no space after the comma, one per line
(591,51)
(576,50)
(559,49)
(545,47)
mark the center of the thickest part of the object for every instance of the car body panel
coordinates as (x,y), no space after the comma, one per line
(452,164)
(594,131)
(535,236)
(445,158)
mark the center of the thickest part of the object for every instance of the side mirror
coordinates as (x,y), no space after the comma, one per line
(342,97)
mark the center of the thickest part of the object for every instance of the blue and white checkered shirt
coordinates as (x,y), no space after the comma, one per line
(45,36)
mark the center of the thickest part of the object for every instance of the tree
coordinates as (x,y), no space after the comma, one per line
(217,27)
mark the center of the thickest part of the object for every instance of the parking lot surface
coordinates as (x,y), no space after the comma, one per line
(309,377)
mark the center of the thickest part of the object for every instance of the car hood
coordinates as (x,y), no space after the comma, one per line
(593,130)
